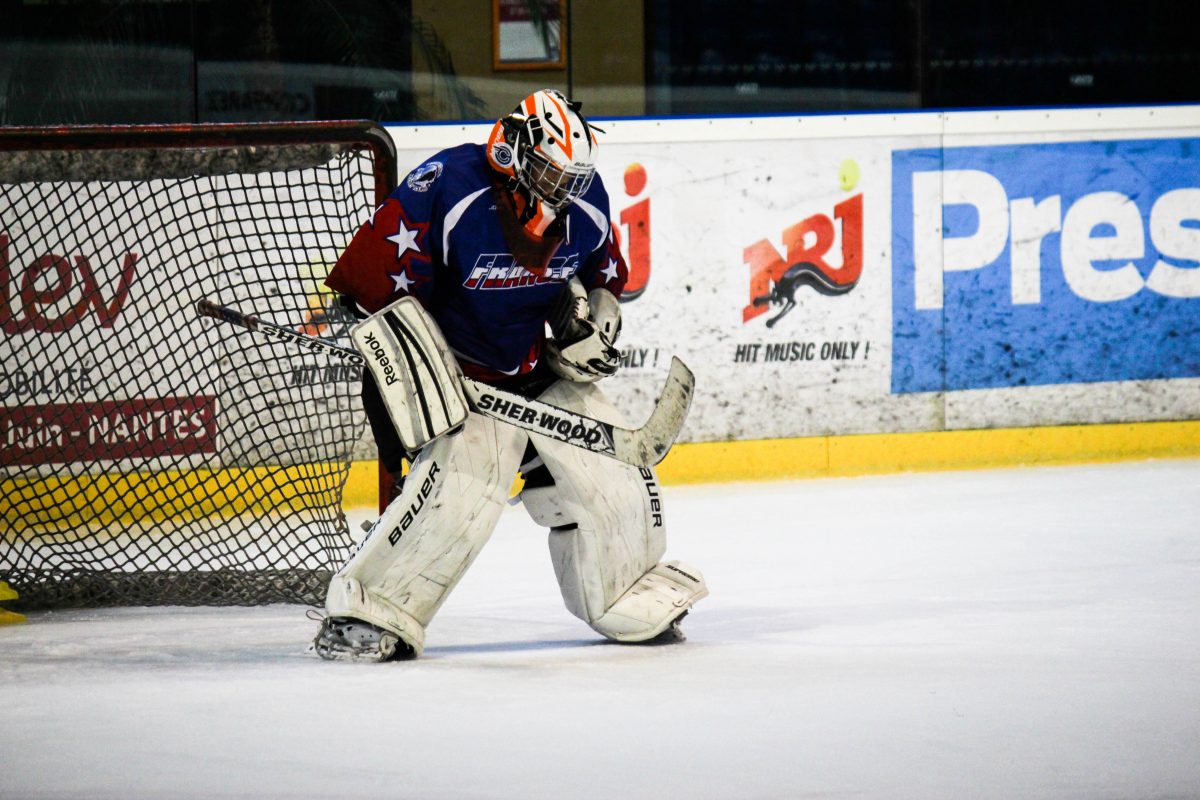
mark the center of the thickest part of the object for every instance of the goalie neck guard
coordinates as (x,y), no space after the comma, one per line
(547,147)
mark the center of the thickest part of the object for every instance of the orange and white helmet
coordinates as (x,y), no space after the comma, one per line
(547,145)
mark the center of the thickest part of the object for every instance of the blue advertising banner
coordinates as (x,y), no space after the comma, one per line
(1035,264)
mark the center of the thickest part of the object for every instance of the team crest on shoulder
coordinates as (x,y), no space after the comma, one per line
(421,178)
(502,154)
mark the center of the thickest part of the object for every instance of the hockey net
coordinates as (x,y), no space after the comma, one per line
(150,456)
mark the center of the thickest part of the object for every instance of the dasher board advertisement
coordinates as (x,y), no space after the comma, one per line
(904,272)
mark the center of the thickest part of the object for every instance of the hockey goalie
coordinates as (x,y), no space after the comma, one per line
(460,272)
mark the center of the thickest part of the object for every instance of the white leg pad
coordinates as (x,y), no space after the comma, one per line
(427,538)
(606,519)
(657,599)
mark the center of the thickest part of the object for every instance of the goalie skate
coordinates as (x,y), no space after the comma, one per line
(348,639)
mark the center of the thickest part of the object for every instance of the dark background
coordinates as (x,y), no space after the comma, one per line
(76,61)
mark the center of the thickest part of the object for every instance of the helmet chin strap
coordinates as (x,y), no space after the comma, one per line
(533,213)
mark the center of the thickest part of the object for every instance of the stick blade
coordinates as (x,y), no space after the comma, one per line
(649,444)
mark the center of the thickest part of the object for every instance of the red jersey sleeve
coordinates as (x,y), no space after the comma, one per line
(387,259)
(606,267)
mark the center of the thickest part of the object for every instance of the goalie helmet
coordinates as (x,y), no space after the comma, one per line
(547,146)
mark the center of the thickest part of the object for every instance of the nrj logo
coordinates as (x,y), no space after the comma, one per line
(774,279)
(635,242)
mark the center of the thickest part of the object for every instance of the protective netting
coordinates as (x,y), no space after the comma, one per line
(149,455)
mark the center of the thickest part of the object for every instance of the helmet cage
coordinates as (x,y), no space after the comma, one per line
(556,185)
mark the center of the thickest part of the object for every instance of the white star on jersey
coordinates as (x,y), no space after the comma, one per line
(405,240)
(402,281)
(610,273)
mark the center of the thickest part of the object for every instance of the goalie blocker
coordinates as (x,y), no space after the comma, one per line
(418,378)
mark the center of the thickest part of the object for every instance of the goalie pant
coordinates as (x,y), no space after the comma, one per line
(605,520)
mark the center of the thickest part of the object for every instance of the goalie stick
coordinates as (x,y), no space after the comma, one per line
(640,447)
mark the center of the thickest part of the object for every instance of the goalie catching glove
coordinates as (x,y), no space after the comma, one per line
(585,326)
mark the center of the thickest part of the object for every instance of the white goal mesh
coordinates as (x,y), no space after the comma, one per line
(150,455)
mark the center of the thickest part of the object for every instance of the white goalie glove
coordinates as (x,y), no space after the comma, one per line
(585,327)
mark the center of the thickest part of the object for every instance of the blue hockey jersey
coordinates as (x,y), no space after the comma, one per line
(449,236)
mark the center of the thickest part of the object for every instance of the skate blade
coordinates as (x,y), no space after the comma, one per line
(348,651)
(334,644)
(673,634)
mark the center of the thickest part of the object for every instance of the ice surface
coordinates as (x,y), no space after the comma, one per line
(1030,633)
